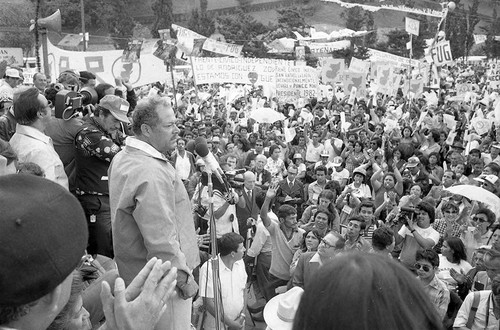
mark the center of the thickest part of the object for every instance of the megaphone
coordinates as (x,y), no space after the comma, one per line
(51,23)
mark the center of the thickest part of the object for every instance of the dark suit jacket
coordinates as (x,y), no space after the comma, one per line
(305,270)
(251,210)
(266,178)
(284,190)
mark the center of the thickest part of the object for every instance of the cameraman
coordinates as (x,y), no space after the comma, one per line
(416,234)
(63,132)
(97,142)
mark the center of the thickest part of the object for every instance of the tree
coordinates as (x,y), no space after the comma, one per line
(17,15)
(460,28)
(245,4)
(291,18)
(201,22)
(492,46)
(243,29)
(396,44)
(163,16)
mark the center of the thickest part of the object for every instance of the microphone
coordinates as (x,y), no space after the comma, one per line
(211,164)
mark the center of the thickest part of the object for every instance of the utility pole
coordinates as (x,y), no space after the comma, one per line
(82,12)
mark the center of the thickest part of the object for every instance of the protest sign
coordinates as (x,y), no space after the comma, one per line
(355,79)
(358,65)
(332,70)
(441,53)
(12,56)
(384,78)
(481,125)
(412,26)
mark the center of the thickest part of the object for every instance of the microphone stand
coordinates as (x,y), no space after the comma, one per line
(219,313)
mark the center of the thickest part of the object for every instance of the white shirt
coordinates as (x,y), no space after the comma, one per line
(481,314)
(31,145)
(232,286)
(444,270)
(328,147)
(182,166)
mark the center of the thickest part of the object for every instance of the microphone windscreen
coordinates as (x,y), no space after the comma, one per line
(201,147)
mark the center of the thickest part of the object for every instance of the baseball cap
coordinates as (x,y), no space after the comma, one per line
(413,161)
(359,170)
(215,139)
(337,161)
(44,237)
(490,178)
(12,73)
(297,156)
(324,153)
(117,106)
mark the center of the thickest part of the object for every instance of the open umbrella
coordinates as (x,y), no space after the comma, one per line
(266,116)
(479,194)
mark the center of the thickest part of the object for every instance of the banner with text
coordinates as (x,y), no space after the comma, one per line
(441,53)
(107,65)
(325,48)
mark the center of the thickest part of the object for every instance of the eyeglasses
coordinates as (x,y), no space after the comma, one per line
(328,245)
(450,212)
(425,268)
(477,219)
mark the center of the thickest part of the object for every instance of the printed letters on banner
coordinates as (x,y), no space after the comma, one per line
(441,53)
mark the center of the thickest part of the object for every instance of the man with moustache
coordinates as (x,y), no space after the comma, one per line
(150,207)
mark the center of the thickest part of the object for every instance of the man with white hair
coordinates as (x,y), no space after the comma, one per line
(248,192)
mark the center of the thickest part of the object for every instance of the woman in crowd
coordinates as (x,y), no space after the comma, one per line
(408,142)
(311,241)
(452,260)
(365,292)
(354,156)
(275,165)
(326,199)
(323,221)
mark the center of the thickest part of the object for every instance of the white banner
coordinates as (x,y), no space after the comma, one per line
(324,48)
(441,53)
(384,79)
(355,79)
(223,48)
(106,65)
(379,56)
(294,82)
(182,32)
(412,26)
(427,12)
(13,56)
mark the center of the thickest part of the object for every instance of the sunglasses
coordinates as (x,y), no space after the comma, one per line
(479,219)
(450,212)
(425,268)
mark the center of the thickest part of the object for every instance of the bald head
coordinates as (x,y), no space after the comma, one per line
(249,180)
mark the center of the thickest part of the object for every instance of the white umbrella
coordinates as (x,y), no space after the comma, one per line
(479,194)
(266,115)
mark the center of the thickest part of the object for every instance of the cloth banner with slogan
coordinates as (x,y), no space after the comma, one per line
(332,70)
(323,49)
(358,65)
(223,48)
(107,65)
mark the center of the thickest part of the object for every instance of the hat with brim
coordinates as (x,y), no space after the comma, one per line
(337,161)
(490,178)
(117,106)
(412,162)
(359,170)
(12,73)
(458,145)
(280,310)
(298,156)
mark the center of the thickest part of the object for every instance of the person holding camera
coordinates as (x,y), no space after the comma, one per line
(415,232)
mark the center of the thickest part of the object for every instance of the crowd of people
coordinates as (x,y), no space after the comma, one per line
(332,218)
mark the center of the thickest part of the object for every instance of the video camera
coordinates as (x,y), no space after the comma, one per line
(405,214)
(232,178)
(68,103)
